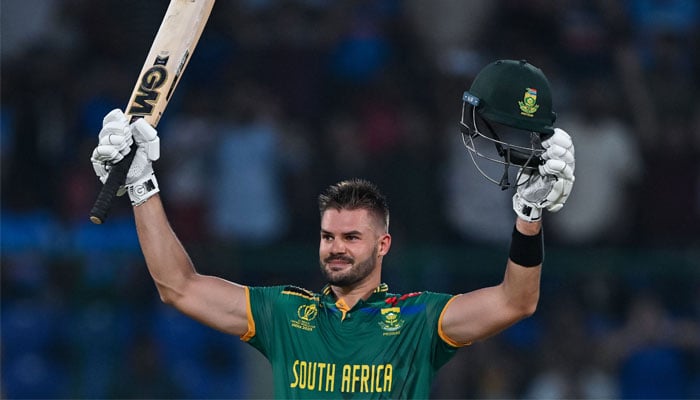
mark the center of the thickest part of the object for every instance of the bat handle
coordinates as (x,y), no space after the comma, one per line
(115,179)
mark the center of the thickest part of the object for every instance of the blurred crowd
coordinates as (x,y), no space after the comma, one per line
(282,98)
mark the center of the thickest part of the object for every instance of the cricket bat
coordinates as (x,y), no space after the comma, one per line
(167,59)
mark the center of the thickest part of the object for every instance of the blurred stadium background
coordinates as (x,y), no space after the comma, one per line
(285,97)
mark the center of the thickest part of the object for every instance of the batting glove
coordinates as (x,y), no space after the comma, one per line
(550,186)
(114,143)
(115,140)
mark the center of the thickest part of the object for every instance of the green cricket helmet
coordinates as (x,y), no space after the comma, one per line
(510,106)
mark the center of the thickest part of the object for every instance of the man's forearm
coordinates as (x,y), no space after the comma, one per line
(528,228)
(166,258)
(524,267)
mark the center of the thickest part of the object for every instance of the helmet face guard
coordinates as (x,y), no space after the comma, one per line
(478,134)
(505,116)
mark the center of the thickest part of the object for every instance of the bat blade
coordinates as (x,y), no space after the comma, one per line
(167,59)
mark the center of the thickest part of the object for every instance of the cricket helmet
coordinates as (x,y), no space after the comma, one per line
(509,105)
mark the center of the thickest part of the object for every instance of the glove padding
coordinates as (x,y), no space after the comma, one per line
(550,186)
(115,141)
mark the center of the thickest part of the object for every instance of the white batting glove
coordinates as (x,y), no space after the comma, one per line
(550,187)
(141,182)
(116,138)
(114,143)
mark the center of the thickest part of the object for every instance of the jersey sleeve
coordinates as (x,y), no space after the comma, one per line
(443,350)
(261,306)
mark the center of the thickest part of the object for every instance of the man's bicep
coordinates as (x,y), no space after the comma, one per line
(475,315)
(215,302)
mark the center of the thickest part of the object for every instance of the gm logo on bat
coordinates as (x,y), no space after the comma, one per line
(151,81)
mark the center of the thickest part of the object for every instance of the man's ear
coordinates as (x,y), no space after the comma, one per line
(384,244)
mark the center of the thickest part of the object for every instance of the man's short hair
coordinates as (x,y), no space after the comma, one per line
(354,194)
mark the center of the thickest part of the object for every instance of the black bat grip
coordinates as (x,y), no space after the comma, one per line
(115,179)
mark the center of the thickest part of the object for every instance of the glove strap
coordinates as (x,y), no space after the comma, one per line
(143,189)
(526,210)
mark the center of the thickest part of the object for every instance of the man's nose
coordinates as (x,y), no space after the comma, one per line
(337,247)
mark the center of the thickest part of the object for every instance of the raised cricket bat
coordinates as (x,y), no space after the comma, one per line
(170,52)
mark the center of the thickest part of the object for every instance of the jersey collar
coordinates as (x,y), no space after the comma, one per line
(328,297)
(382,288)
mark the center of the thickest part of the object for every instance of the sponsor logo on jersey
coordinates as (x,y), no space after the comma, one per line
(529,106)
(392,322)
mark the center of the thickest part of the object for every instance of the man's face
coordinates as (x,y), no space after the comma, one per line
(352,243)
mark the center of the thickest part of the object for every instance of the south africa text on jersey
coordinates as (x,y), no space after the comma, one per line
(361,378)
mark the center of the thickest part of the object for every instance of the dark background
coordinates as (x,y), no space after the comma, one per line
(283,98)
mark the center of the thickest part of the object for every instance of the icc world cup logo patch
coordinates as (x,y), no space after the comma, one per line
(306,314)
(528,105)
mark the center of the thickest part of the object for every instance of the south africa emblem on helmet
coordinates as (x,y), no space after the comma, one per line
(392,322)
(529,106)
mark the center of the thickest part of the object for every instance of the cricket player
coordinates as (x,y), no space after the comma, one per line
(355,338)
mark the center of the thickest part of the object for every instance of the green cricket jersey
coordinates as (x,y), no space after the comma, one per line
(388,346)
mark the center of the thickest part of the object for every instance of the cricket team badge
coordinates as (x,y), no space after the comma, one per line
(392,322)
(528,105)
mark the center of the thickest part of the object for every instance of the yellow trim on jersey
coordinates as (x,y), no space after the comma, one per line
(291,293)
(251,324)
(442,334)
(343,307)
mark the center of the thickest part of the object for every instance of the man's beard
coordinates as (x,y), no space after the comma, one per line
(356,273)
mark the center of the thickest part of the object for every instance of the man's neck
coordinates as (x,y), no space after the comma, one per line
(353,294)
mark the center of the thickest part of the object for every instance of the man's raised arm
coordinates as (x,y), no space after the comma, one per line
(482,313)
(213,301)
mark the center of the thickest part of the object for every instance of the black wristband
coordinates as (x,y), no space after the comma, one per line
(527,251)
